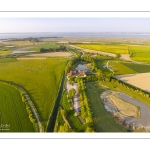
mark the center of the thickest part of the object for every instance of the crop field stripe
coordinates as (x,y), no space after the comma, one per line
(17,114)
(12,110)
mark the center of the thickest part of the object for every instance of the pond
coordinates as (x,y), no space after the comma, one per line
(82,67)
(21,52)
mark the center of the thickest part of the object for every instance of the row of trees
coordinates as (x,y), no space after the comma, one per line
(129,86)
(61,48)
(84,106)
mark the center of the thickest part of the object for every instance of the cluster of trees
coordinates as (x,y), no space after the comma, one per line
(117,55)
(59,49)
(71,63)
(71,93)
(131,53)
(84,106)
(99,75)
(92,61)
(129,86)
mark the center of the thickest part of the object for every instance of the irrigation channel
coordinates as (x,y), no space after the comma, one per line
(55,111)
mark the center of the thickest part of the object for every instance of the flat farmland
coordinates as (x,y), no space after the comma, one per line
(44,45)
(117,49)
(139,68)
(140,80)
(52,54)
(39,77)
(18,43)
(120,68)
(140,53)
(13,111)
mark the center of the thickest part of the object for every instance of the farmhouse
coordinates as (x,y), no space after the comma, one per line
(77,73)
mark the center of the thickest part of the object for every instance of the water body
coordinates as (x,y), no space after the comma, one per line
(4,36)
(82,67)
(21,52)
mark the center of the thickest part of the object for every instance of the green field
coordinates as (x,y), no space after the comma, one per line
(4,52)
(44,45)
(13,111)
(6,60)
(140,53)
(120,68)
(139,68)
(110,48)
(40,78)
(103,122)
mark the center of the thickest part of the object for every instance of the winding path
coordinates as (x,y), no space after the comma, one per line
(108,67)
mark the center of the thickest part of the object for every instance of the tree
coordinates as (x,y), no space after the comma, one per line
(64,112)
(89,129)
(99,74)
(71,93)
(117,55)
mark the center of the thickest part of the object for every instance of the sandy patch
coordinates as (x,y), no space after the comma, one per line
(125,57)
(140,80)
(52,54)
(29,58)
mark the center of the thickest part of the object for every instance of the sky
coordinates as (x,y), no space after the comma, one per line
(13,25)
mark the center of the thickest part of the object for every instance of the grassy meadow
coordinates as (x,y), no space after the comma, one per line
(125,108)
(110,48)
(139,68)
(13,111)
(40,78)
(37,47)
(120,68)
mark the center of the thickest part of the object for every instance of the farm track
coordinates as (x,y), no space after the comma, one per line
(108,67)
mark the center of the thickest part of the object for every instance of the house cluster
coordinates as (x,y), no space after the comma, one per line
(77,73)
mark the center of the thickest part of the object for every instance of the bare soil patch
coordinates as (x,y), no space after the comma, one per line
(125,57)
(139,80)
(52,54)
(18,43)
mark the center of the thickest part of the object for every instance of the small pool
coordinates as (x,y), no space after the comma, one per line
(21,52)
(82,67)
